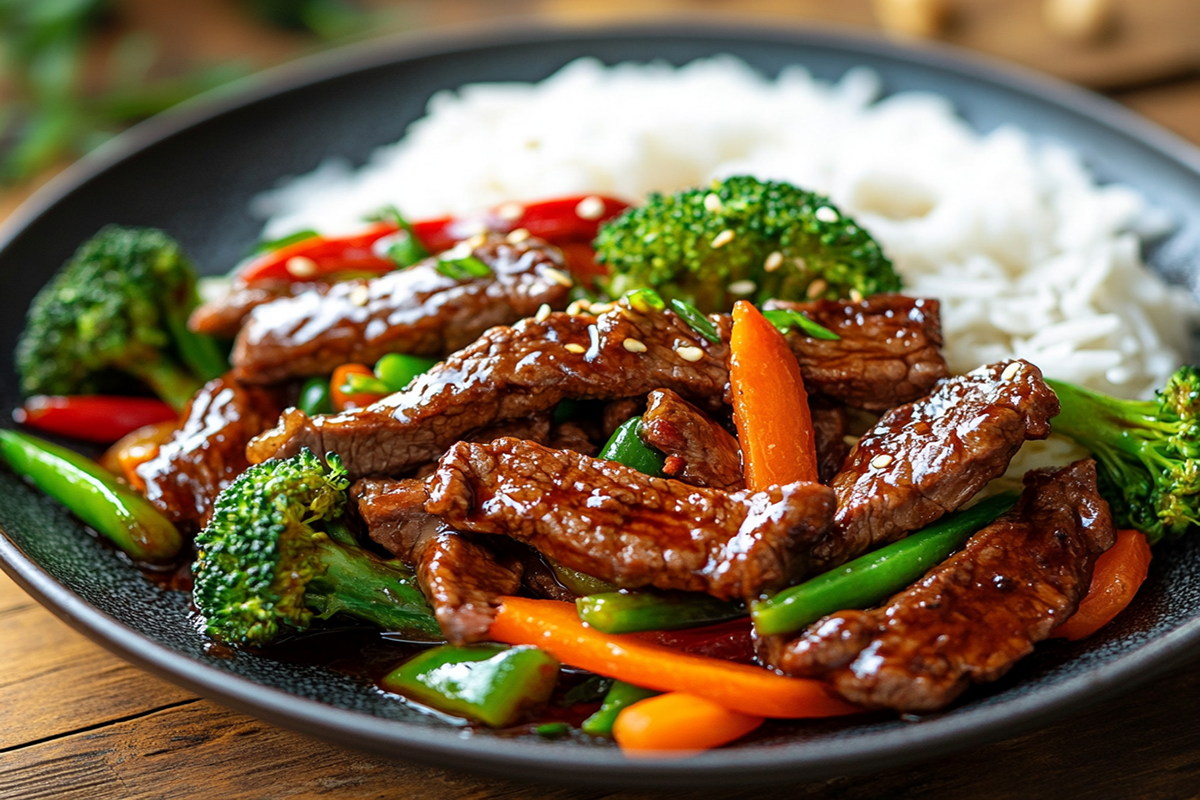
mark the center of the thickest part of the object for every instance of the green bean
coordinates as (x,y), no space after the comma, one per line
(620,612)
(626,447)
(619,697)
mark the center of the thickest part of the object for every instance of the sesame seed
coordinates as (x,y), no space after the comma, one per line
(634,346)
(518,236)
(712,203)
(301,267)
(816,288)
(849,440)
(742,287)
(590,207)
(459,251)
(601,308)
(879,462)
(826,214)
(476,241)
(360,295)
(1010,371)
(692,354)
(773,262)
(542,312)
(577,307)
(723,238)
(558,276)
(856,296)
(576,348)
(510,212)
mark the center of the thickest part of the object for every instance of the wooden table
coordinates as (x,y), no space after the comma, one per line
(79,722)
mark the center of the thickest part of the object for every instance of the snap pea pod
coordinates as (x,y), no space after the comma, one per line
(874,577)
(619,697)
(494,684)
(626,447)
(630,612)
(91,493)
(397,370)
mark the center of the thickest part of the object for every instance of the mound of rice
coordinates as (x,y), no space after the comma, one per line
(1028,255)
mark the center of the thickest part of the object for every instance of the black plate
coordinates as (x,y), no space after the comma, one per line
(193,173)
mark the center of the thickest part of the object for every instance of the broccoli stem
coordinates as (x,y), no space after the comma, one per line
(368,588)
(174,385)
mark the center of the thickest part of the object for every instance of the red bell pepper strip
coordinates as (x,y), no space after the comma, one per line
(568,222)
(93,418)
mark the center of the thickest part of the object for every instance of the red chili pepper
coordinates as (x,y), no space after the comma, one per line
(93,418)
(568,222)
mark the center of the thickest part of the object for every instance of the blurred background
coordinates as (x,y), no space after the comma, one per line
(73,73)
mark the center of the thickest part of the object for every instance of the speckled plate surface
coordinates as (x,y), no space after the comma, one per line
(193,173)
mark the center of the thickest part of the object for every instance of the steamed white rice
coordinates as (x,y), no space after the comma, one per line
(1029,256)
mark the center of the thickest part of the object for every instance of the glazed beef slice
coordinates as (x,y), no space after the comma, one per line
(698,450)
(624,352)
(419,311)
(927,458)
(971,617)
(628,528)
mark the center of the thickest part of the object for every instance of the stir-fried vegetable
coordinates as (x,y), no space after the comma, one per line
(316,397)
(120,305)
(626,447)
(630,612)
(93,418)
(770,406)
(1148,451)
(679,723)
(490,683)
(354,386)
(274,557)
(872,578)
(1118,574)
(555,627)
(620,696)
(91,493)
(742,238)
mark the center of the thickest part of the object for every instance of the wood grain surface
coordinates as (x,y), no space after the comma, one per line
(78,722)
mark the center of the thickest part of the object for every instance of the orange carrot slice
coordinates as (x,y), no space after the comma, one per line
(678,724)
(770,406)
(554,626)
(1118,574)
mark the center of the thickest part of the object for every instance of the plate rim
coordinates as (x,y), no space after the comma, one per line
(446,747)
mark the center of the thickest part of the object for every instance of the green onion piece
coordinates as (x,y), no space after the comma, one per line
(626,447)
(406,249)
(552,730)
(619,697)
(364,384)
(315,397)
(631,612)
(696,321)
(397,370)
(786,319)
(644,300)
(278,244)
(874,577)
(463,268)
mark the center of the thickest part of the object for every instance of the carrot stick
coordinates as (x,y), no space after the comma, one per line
(678,724)
(554,626)
(770,406)
(1118,574)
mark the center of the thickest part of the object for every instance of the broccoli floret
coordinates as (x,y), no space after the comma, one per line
(742,239)
(1148,451)
(275,556)
(120,305)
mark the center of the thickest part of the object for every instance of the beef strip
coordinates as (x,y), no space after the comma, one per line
(698,450)
(971,617)
(927,458)
(225,316)
(830,425)
(461,577)
(570,436)
(528,368)
(418,311)
(208,450)
(617,412)
(628,528)
(889,352)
